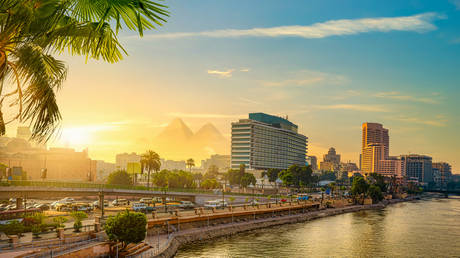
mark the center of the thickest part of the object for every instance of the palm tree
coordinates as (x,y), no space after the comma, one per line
(32,31)
(190,163)
(150,160)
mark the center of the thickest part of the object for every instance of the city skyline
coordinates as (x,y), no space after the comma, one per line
(400,72)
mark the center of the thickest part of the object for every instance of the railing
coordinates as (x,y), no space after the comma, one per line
(50,243)
(55,250)
(89,185)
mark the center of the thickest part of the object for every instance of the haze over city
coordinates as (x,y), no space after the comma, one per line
(242,128)
(394,63)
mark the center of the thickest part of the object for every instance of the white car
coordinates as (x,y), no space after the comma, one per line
(215,204)
(67,200)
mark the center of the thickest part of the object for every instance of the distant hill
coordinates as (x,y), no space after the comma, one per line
(177,141)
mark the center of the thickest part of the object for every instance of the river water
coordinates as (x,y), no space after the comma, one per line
(424,228)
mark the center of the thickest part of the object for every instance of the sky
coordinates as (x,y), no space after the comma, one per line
(328,65)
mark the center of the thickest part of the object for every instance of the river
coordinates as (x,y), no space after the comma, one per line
(425,228)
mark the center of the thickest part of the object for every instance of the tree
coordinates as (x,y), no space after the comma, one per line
(328,175)
(198,177)
(33,30)
(126,227)
(13,227)
(272,174)
(242,170)
(247,180)
(332,186)
(375,193)
(233,177)
(161,178)
(210,184)
(190,163)
(231,199)
(213,172)
(150,160)
(78,216)
(287,177)
(297,176)
(119,177)
(359,187)
(60,221)
(379,181)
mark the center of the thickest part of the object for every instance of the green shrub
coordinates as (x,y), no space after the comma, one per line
(126,227)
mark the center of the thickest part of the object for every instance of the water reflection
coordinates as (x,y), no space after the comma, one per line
(426,228)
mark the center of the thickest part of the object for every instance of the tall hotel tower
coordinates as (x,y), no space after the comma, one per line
(264,141)
(375,147)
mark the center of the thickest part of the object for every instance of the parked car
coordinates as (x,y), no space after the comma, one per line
(67,200)
(139,207)
(54,204)
(63,207)
(10,207)
(146,200)
(186,205)
(82,206)
(120,202)
(43,206)
(215,204)
(96,204)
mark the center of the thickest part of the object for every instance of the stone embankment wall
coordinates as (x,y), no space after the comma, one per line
(231,229)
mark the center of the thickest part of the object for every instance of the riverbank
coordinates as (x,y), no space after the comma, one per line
(200,234)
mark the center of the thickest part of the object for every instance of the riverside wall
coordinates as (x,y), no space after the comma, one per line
(202,234)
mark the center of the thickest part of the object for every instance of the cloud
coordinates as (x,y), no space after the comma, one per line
(398,96)
(249,101)
(354,107)
(347,94)
(203,115)
(440,122)
(245,70)
(300,82)
(223,74)
(416,23)
(307,78)
(456,3)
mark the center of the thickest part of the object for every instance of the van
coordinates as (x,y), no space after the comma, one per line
(120,202)
(139,207)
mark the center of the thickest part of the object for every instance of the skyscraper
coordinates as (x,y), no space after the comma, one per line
(264,141)
(445,172)
(375,146)
(331,161)
(417,167)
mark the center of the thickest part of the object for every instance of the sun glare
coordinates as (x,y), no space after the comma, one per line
(76,137)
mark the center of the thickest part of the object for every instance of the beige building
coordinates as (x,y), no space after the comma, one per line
(391,166)
(61,163)
(331,161)
(122,160)
(375,146)
(220,161)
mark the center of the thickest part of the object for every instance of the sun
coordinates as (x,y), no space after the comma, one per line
(76,137)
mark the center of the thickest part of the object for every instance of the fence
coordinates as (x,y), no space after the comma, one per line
(88,185)
(54,250)
(158,247)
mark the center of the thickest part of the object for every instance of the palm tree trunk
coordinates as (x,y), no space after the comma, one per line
(148,180)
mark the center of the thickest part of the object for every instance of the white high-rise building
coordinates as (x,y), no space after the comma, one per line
(264,141)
